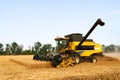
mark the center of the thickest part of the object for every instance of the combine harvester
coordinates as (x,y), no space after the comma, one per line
(76,49)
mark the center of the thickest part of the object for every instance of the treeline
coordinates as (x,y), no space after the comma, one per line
(111,48)
(15,49)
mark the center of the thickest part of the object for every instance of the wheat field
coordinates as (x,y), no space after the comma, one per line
(23,67)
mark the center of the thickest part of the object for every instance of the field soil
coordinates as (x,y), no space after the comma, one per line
(23,67)
(114,55)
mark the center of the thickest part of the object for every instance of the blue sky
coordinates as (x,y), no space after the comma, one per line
(28,21)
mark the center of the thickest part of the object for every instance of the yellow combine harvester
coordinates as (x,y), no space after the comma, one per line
(77,48)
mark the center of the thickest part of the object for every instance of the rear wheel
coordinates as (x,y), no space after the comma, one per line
(93,59)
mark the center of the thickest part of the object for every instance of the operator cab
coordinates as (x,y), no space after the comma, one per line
(68,42)
(62,43)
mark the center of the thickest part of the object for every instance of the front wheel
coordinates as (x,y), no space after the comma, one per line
(57,60)
(77,58)
(93,59)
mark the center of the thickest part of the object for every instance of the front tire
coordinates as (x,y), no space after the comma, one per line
(57,60)
(77,58)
